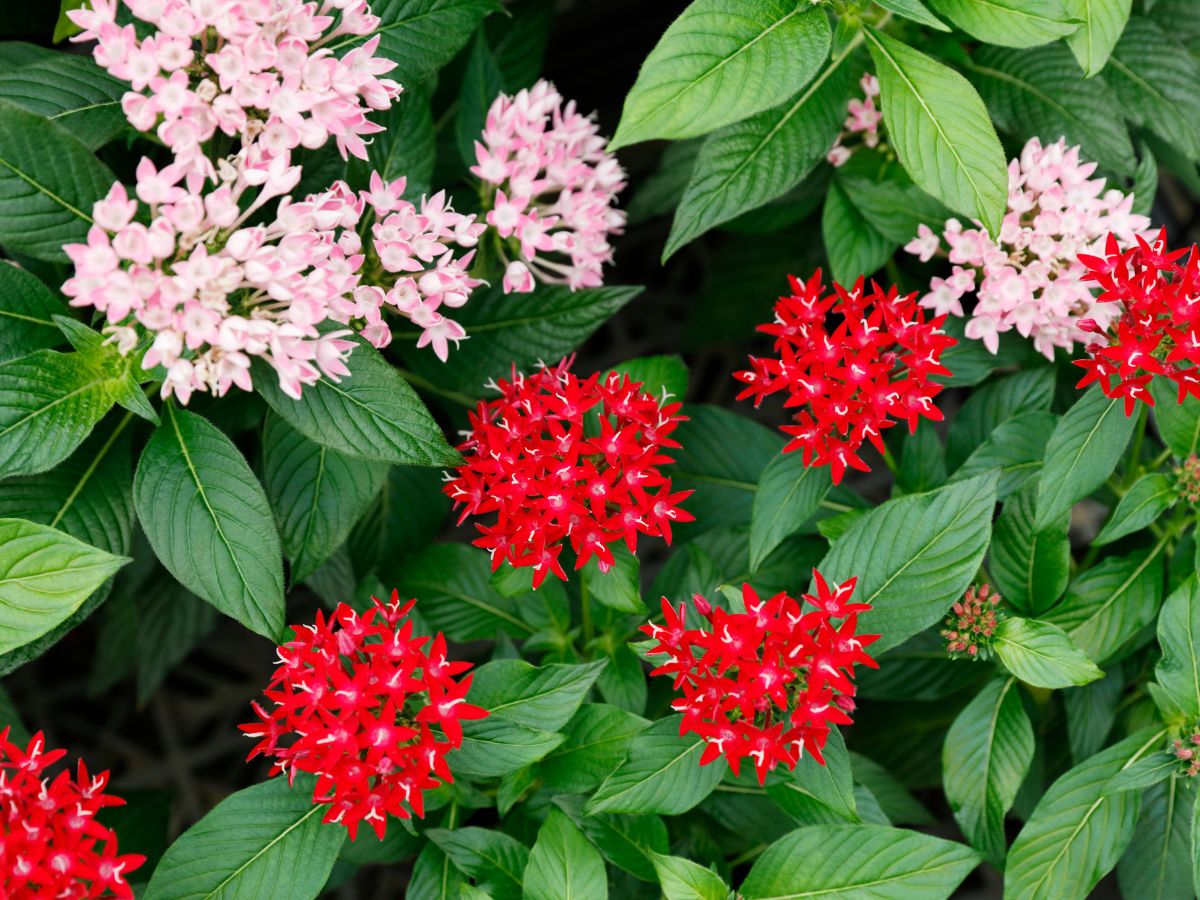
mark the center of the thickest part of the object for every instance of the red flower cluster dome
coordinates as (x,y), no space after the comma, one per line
(50,842)
(532,458)
(767,683)
(854,362)
(1158,332)
(356,700)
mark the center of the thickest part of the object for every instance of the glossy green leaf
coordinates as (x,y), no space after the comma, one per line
(26,310)
(914,556)
(171,621)
(1178,672)
(597,739)
(619,588)
(1015,448)
(266,842)
(789,492)
(941,130)
(1009,23)
(495,747)
(995,403)
(563,864)
(317,494)
(371,414)
(1147,771)
(662,774)
(1042,655)
(1042,91)
(628,842)
(1148,498)
(852,245)
(830,784)
(1103,21)
(1083,451)
(72,92)
(914,10)
(871,861)
(1157,863)
(209,522)
(45,575)
(712,67)
(1178,423)
(682,879)
(1078,829)
(544,698)
(1029,567)
(481,83)
(986,756)
(496,861)
(747,164)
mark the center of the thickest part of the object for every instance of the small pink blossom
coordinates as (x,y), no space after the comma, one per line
(555,187)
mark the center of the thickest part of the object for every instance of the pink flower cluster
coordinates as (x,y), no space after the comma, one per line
(257,70)
(216,289)
(550,187)
(1030,278)
(862,117)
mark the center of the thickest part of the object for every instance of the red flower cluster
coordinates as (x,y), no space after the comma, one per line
(358,700)
(50,842)
(767,683)
(1158,332)
(533,460)
(971,623)
(855,362)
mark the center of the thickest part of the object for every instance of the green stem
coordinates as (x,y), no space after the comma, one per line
(890,461)
(585,602)
(1157,462)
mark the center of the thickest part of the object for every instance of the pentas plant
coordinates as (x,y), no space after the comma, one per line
(367,707)
(553,481)
(1149,326)
(1030,277)
(302,300)
(768,683)
(51,843)
(854,361)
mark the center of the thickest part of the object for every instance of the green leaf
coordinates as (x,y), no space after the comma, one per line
(682,879)
(984,760)
(317,495)
(371,414)
(266,842)
(1108,605)
(1103,22)
(1178,423)
(1086,446)
(887,198)
(171,621)
(597,740)
(623,681)
(73,92)
(941,131)
(914,10)
(1042,655)
(852,245)
(628,842)
(452,582)
(722,456)
(1078,830)
(1154,78)
(26,310)
(712,67)
(1147,771)
(1158,861)
(422,35)
(894,799)
(994,404)
(1042,92)
(482,82)
(520,43)
(434,877)
(1009,23)
(1015,448)
(1030,568)
(657,374)
(496,861)
(406,148)
(619,588)
(495,747)
(747,164)
(208,520)
(661,775)
(45,199)
(914,556)
(405,516)
(789,492)
(1148,498)
(44,576)
(563,864)
(871,861)
(830,784)
(1178,672)
(544,698)
(514,329)
(49,402)
(1091,711)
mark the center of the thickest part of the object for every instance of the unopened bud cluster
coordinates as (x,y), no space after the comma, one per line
(971,624)
(1187,751)
(1187,479)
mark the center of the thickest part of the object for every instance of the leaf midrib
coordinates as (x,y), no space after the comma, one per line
(859,885)
(275,840)
(607,801)
(42,189)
